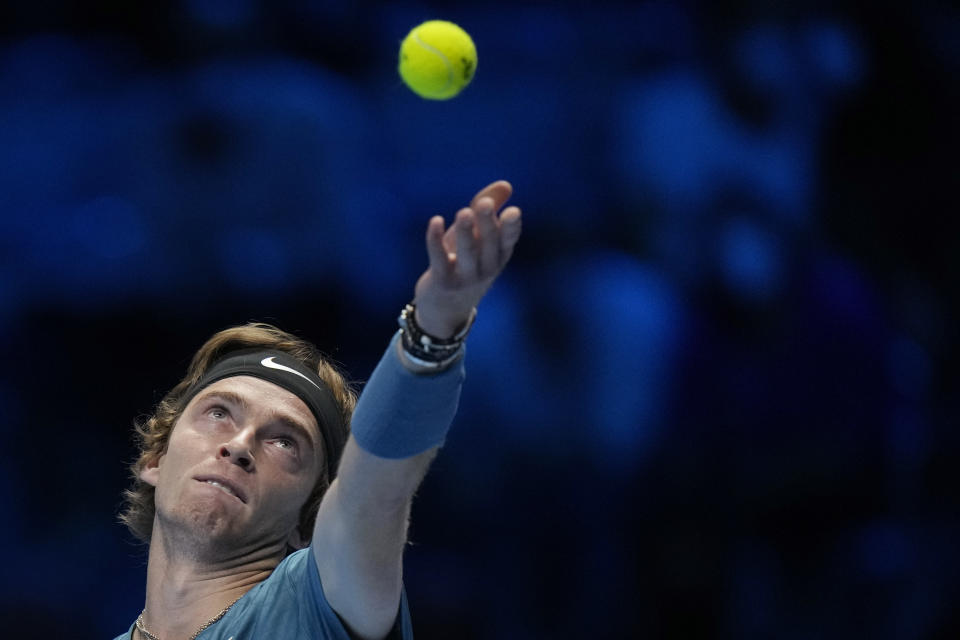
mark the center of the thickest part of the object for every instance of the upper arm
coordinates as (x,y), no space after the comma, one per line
(359,537)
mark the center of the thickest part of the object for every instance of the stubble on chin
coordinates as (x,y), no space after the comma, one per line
(198,528)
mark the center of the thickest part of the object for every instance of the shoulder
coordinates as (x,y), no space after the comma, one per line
(289,604)
(293,590)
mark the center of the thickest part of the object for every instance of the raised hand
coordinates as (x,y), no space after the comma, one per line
(465,259)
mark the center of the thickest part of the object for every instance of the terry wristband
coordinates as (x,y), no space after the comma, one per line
(401,413)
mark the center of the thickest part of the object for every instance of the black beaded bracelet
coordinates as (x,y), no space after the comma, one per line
(427,350)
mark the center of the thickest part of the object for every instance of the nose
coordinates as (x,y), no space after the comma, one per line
(239,452)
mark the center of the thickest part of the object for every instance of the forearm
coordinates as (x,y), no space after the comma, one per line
(372,498)
(373,489)
(361,527)
(404,411)
(398,425)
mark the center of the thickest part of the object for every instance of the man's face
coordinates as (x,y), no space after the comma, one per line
(241,462)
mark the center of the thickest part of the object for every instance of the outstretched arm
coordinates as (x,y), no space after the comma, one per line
(361,526)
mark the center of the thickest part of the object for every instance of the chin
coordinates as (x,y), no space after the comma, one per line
(203,524)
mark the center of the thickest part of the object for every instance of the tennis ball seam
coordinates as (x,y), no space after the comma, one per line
(431,48)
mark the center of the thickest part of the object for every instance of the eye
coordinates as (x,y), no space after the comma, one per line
(284,443)
(217,412)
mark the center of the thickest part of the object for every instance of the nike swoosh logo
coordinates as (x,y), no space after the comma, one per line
(270,364)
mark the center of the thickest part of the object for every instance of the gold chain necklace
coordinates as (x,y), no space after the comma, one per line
(149,636)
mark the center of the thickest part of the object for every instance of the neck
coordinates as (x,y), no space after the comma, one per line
(184,591)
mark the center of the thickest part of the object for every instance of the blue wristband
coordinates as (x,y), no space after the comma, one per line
(401,413)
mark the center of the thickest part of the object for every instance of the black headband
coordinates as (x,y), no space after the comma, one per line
(285,371)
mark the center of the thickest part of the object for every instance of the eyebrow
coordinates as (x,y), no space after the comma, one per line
(237,399)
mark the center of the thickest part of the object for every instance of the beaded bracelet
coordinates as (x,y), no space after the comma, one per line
(426,350)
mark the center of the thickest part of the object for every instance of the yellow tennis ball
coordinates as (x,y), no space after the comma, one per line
(437,59)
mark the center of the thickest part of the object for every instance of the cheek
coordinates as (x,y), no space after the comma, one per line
(290,465)
(295,488)
(184,449)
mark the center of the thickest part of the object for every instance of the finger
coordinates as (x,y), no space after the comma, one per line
(437,253)
(499,191)
(450,237)
(466,265)
(510,226)
(488,239)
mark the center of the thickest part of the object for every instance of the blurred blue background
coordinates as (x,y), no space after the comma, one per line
(714,395)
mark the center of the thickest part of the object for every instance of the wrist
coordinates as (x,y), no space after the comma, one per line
(401,414)
(439,325)
(414,365)
(427,350)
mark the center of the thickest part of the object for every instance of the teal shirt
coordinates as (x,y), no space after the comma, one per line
(289,605)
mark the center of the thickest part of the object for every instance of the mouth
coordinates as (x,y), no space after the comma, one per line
(224,485)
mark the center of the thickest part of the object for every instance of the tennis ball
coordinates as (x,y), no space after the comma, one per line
(437,59)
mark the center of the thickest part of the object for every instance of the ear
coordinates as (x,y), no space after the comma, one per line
(151,471)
